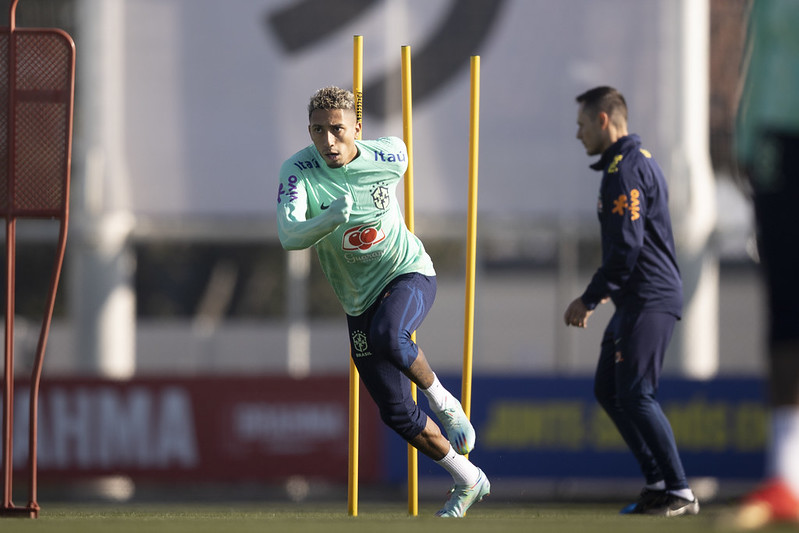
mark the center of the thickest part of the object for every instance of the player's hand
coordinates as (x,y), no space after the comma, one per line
(577,314)
(340,209)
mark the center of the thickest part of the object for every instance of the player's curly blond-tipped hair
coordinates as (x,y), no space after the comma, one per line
(331,98)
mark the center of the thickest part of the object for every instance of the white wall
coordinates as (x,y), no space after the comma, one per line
(214,102)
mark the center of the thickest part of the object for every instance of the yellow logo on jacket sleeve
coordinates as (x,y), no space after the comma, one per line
(614,165)
(619,205)
(646,153)
(635,204)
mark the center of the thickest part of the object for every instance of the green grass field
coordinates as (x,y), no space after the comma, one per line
(373,518)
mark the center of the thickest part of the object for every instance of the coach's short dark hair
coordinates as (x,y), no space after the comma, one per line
(604,99)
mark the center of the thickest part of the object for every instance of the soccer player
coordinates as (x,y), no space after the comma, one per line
(338,195)
(639,274)
(767,147)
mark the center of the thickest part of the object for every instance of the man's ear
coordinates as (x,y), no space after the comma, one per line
(604,120)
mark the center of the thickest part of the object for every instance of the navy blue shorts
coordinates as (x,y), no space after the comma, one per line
(381,347)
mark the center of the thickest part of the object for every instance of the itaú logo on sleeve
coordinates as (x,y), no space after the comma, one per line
(363,237)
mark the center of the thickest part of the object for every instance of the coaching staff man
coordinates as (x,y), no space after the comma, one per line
(639,274)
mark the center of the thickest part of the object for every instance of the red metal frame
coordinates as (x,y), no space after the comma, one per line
(40,86)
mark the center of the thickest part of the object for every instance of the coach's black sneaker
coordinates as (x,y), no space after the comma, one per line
(672,505)
(646,500)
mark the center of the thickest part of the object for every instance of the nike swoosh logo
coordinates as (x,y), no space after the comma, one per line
(323,206)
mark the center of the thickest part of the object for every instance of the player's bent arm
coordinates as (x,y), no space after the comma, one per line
(297,233)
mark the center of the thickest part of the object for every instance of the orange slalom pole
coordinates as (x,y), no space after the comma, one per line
(352,484)
(407,133)
(471,236)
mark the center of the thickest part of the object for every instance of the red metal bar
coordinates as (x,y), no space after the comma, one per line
(37,370)
(37,186)
(8,375)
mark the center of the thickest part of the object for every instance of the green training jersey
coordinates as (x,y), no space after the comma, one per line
(770,98)
(361,256)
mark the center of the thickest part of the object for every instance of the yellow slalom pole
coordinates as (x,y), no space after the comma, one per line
(352,486)
(407,132)
(471,236)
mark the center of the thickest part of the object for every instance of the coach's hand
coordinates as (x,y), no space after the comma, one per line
(577,314)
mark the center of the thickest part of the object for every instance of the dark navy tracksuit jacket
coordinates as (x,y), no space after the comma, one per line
(639,267)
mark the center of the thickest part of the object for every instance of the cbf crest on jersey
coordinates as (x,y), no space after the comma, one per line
(380,197)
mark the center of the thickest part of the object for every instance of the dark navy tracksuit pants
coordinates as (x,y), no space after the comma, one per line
(625,385)
(382,347)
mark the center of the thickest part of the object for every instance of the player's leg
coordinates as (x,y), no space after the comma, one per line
(782,457)
(401,311)
(446,407)
(470,484)
(644,337)
(775,181)
(776,198)
(605,393)
(390,389)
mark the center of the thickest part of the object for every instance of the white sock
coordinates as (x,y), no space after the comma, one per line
(436,395)
(463,472)
(685,494)
(660,485)
(783,458)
